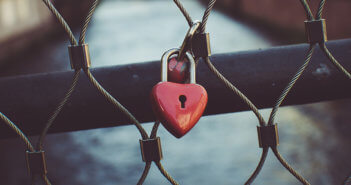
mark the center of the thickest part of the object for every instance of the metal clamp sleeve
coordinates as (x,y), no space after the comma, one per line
(268,136)
(316,31)
(151,150)
(201,45)
(36,162)
(79,56)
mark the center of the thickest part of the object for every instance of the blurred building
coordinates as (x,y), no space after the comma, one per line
(19,16)
(26,22)
(289,15)
(21,21)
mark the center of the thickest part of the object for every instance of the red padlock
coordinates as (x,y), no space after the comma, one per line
(178,106)
(178,70)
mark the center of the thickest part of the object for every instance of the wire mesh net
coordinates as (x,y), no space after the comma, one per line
(267,130)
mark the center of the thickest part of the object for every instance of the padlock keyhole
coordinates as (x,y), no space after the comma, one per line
(182,99)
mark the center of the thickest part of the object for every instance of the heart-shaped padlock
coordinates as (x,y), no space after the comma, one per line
(178,106)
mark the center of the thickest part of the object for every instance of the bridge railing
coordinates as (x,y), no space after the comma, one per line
(260,74)
(262,79)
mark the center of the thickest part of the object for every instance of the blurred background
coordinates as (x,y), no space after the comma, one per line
(221,149)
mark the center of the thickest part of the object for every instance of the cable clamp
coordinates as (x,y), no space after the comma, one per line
(316,31)
(36,163)
(79,56)
(268,136)
(151,149)
(201,45)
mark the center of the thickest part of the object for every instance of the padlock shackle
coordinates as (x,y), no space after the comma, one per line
(186,45)
(164,65)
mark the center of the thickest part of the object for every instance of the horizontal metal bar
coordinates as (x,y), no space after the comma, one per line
(260,74)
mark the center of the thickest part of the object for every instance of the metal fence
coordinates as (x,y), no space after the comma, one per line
(315,86)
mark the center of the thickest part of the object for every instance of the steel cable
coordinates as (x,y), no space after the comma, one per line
(285,92)
(29,145)
(230,86)
(153,135)
(46,180)
(322,44)
(62,21)
(87,21)
(280,100)
(233,88)
(259,166)
(334,61)
(320,9)
(290,85)
(145,173)
(58,109)
(106,94)
(154,130)
(148,164)
(297,76)
(254,108)
(166,174)
(308,11)
(76,73)
(88,73)
(91,77)
(288,167)
(185,13)
(206,15)
(277,105)
(211,66)
(18,131)
(116,103)
(325,50)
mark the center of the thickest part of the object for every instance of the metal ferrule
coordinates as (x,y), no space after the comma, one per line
(79,56)
(268,136)
(36,163)
(200,45)
(316,31)
(151,149)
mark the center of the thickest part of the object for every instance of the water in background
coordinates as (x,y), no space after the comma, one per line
(221,149)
